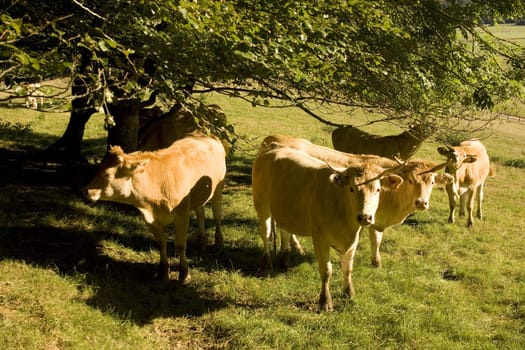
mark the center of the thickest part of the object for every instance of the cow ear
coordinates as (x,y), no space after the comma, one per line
(391,182)
(443,179)
(470,158)
(339,179)
(138,166)
(443,151)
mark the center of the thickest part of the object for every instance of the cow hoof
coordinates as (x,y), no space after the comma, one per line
(377,263)
(284,260)
(349,292)
(326,306)
(266,263)
(219,241)
(184,275)
(203,247)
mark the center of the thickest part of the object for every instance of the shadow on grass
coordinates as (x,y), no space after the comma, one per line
(36,194)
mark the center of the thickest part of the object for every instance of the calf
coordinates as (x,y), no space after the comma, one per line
(164,186)
(306,197)
(469,164)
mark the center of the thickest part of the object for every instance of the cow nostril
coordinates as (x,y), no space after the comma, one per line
(365,218)
(421,204)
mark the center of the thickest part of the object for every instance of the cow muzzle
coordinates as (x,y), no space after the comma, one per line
(90,195)
(422,204)
(365,219)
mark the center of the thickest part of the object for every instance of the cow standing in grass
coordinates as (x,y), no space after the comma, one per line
(304,196)
(469,164)
(403,146)
(413,194)
(164,186)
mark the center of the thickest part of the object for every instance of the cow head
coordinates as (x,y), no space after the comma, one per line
(364,184)
(456,156)
(420,177)
(113,179)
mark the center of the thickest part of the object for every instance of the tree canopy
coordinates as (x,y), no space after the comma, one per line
(419,60)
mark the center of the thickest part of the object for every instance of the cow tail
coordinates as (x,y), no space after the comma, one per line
(274,238)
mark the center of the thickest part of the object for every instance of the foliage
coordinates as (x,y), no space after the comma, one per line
(403,58)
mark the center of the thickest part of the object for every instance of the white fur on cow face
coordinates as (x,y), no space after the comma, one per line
(113,182)
(363,193)
(418,189)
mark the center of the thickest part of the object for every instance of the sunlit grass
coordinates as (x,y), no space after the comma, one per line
(78,276)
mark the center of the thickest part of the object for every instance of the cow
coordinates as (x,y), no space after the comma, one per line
(413,194)
(350,139)
(164,186)
(470,166)
(305,196)
(34,96)
(163,130)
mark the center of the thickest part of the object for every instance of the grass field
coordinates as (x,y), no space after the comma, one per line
(75,276)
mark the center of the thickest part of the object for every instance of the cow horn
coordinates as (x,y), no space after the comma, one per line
(436,168)
(384,173)
(398,159)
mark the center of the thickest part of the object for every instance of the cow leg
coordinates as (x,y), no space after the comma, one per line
(216,207)
(203,239)
(462,203)
(470,205)
(375,237)
(479,194)
(284,253)
(265,230)
(452,200)
(347,266)
(322,254)
(181,225)
(162,239)
(296,244)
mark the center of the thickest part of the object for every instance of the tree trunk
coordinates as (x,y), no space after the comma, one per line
(69,146)
(125,132)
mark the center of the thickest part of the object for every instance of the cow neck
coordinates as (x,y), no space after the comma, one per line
(393,209)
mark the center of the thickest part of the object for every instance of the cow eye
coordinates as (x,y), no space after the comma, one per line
(378,190)
(352,189)
(410,181)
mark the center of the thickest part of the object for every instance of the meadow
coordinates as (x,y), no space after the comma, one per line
(78,276)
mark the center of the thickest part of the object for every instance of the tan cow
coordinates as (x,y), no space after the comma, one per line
(469,164)
(352,140)
(413,194)
(164,186)
(306,197)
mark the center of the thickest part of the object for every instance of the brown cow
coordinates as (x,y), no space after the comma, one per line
(413,194)
(306,197)
(165,185)
(162,131)
(469,164)
(403,146)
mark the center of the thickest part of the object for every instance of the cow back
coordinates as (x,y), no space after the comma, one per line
(191,168)
(326,154)
(353,140)
(475,172)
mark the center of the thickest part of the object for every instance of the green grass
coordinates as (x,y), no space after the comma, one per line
(75,276)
